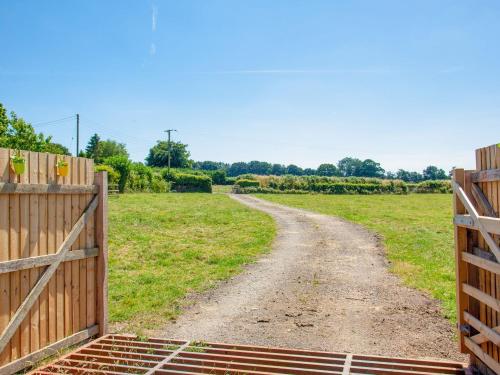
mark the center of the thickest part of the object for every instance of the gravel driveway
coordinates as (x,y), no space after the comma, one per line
(325,285)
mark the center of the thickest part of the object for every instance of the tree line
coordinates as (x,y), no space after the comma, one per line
(18,134)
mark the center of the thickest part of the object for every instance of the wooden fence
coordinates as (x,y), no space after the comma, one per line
(477,230)
(53,257)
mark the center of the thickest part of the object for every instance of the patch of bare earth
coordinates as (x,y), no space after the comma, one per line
(324,286)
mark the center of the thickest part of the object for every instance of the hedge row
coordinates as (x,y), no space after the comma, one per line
(188,183)
(333,185)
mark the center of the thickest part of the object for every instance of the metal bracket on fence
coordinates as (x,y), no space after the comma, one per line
(465,329)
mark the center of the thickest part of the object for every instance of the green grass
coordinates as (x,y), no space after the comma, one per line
(417,232)
(222,188)
(164,246)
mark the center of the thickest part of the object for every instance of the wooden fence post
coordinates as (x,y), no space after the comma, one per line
(461,267)
(101,228)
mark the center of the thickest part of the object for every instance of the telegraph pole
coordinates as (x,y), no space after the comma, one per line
(77,134)
(168,131)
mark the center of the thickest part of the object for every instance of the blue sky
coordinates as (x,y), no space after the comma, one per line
(407,83)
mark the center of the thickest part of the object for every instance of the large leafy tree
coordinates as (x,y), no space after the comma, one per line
(158,155)
(327,170)
(208,165)
(237,169)
(370,168)
(101,150)
(259,167)
(19,134)
(278,169)
(349,166)
(434,173)
(294,170)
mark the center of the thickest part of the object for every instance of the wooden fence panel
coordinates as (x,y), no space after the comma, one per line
(477,194)
(46,305)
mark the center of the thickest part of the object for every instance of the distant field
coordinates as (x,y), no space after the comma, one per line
(417,231)
(163,246)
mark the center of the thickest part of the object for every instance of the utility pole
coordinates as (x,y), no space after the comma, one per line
(77,134)
(168,131)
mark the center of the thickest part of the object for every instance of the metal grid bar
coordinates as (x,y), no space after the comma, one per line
(123,354)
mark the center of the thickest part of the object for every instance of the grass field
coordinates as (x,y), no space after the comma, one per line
(163,246)
(417,232)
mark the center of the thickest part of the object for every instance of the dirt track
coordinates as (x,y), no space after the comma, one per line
(325,285)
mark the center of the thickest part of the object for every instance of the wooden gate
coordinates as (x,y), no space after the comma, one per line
(53,257)
(477,230)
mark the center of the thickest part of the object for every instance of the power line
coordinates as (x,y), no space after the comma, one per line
(53,121)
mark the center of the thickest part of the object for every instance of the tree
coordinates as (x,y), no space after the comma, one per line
(92,149)
(327,170)
(434,173)
(57,148)
(110,148)
(18,134)
(237,169)
(158,155)
(408,176)
(349,166)
(278,169)
(294,170)
(370,168)
(310,172)
(259,167)
(209,165)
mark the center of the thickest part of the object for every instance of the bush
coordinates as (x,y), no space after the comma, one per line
(140,178)
(247,183)
(218,176)
(183,183)
(433,186)
(113,176)
(230,181)
(324,185)
(159,185)
(122,165)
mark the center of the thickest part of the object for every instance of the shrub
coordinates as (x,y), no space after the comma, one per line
(247,183)
(183,182)
(218,177)
(433,186)
(159,185)
(230,181)
(140,178)
(122,165)
(113,176)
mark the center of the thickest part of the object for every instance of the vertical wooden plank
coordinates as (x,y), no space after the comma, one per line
(90,243)
(75,265)
(24,212)
(42,247)
(15,253)
(51,249)
(481,243)
(4,253)
(61,318)
(460,267)
(68,308)
(34,235)
(488,276)
(82,240)
(101,229)
(493,199)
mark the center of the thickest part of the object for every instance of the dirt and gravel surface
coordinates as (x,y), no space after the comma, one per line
(325,285)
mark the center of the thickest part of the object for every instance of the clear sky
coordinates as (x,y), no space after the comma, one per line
(407,83)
